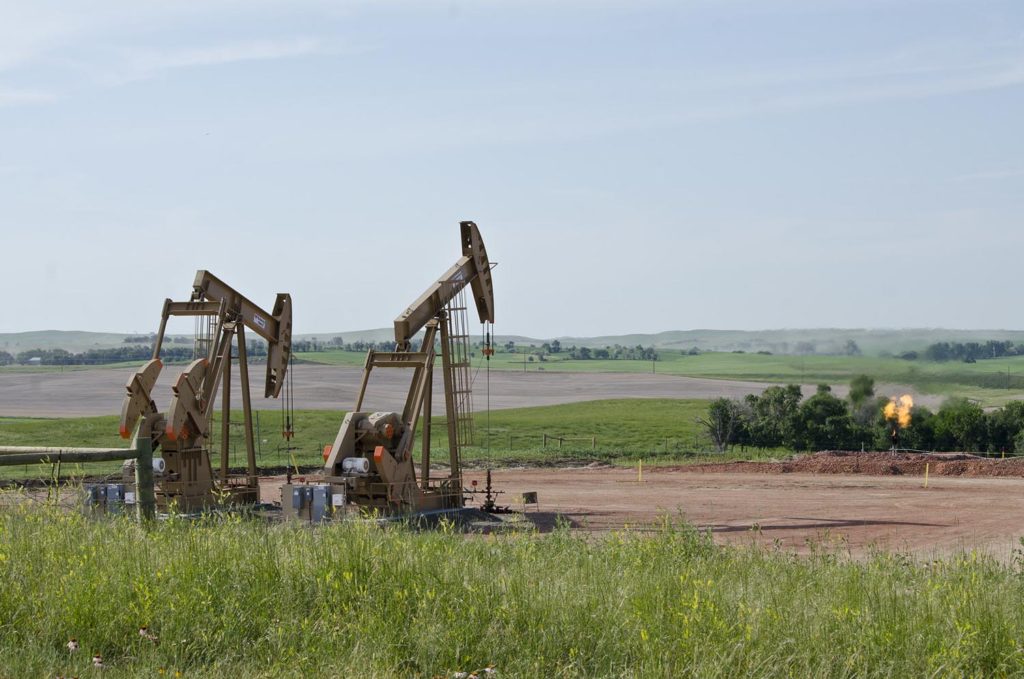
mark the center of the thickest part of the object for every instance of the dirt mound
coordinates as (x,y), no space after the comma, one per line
(874,464)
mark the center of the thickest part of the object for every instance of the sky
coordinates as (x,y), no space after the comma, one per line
(633,165)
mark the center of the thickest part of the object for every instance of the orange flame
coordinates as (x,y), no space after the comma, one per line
(898,410)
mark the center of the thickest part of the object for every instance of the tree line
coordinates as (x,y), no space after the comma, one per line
(151,338)
(94,356)
(612,352)
(615,353)
(338,343)
(781,418)
(968,352)
(123,354)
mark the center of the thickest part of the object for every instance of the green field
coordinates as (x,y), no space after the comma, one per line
(240,598)
(991,381)
(616,431)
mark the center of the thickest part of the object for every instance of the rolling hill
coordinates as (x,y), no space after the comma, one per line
(879,341)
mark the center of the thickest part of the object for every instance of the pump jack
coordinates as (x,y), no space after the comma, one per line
(183,432)
(370,463)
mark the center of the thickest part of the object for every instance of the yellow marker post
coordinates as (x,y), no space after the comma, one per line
(925,474)
(640,472)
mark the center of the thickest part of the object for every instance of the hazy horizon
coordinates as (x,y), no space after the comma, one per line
(329,334)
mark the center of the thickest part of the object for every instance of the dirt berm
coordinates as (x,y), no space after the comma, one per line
(874,464)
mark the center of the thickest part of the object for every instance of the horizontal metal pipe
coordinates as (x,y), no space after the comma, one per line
(143,452)
(59,449)
(15,455)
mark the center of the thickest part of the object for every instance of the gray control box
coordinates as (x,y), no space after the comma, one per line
(316,502)
(107,498)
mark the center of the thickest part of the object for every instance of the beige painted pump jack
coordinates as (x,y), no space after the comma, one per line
(370,464)
(182,433)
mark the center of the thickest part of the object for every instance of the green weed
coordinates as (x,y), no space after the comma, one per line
(230,597)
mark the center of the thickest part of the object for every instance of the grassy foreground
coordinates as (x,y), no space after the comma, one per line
(238,598)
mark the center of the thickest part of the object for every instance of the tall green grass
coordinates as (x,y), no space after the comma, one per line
(229,597)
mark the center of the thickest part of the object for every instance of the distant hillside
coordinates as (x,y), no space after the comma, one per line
(783,341)
(70,340)
(786,341)
(351,336)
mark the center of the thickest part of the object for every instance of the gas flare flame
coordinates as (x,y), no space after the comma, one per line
(898,410)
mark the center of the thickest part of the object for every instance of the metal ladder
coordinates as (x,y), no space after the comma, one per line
(202,342)
(203,338)
(458,349)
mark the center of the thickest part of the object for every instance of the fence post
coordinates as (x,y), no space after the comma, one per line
(144,478)
(259,439)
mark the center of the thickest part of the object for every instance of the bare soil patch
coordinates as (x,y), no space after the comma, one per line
(83,393)
(874,464)
(751,502)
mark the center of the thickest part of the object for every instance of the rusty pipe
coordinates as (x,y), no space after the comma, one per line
(16,455)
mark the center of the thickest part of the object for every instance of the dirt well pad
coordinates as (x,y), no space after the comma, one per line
(847,512)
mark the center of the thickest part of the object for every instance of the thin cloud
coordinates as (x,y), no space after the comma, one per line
(31,29)
(990,175)
(20,97)
(146,64)
(788,91)
(991,77)
(519,122)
